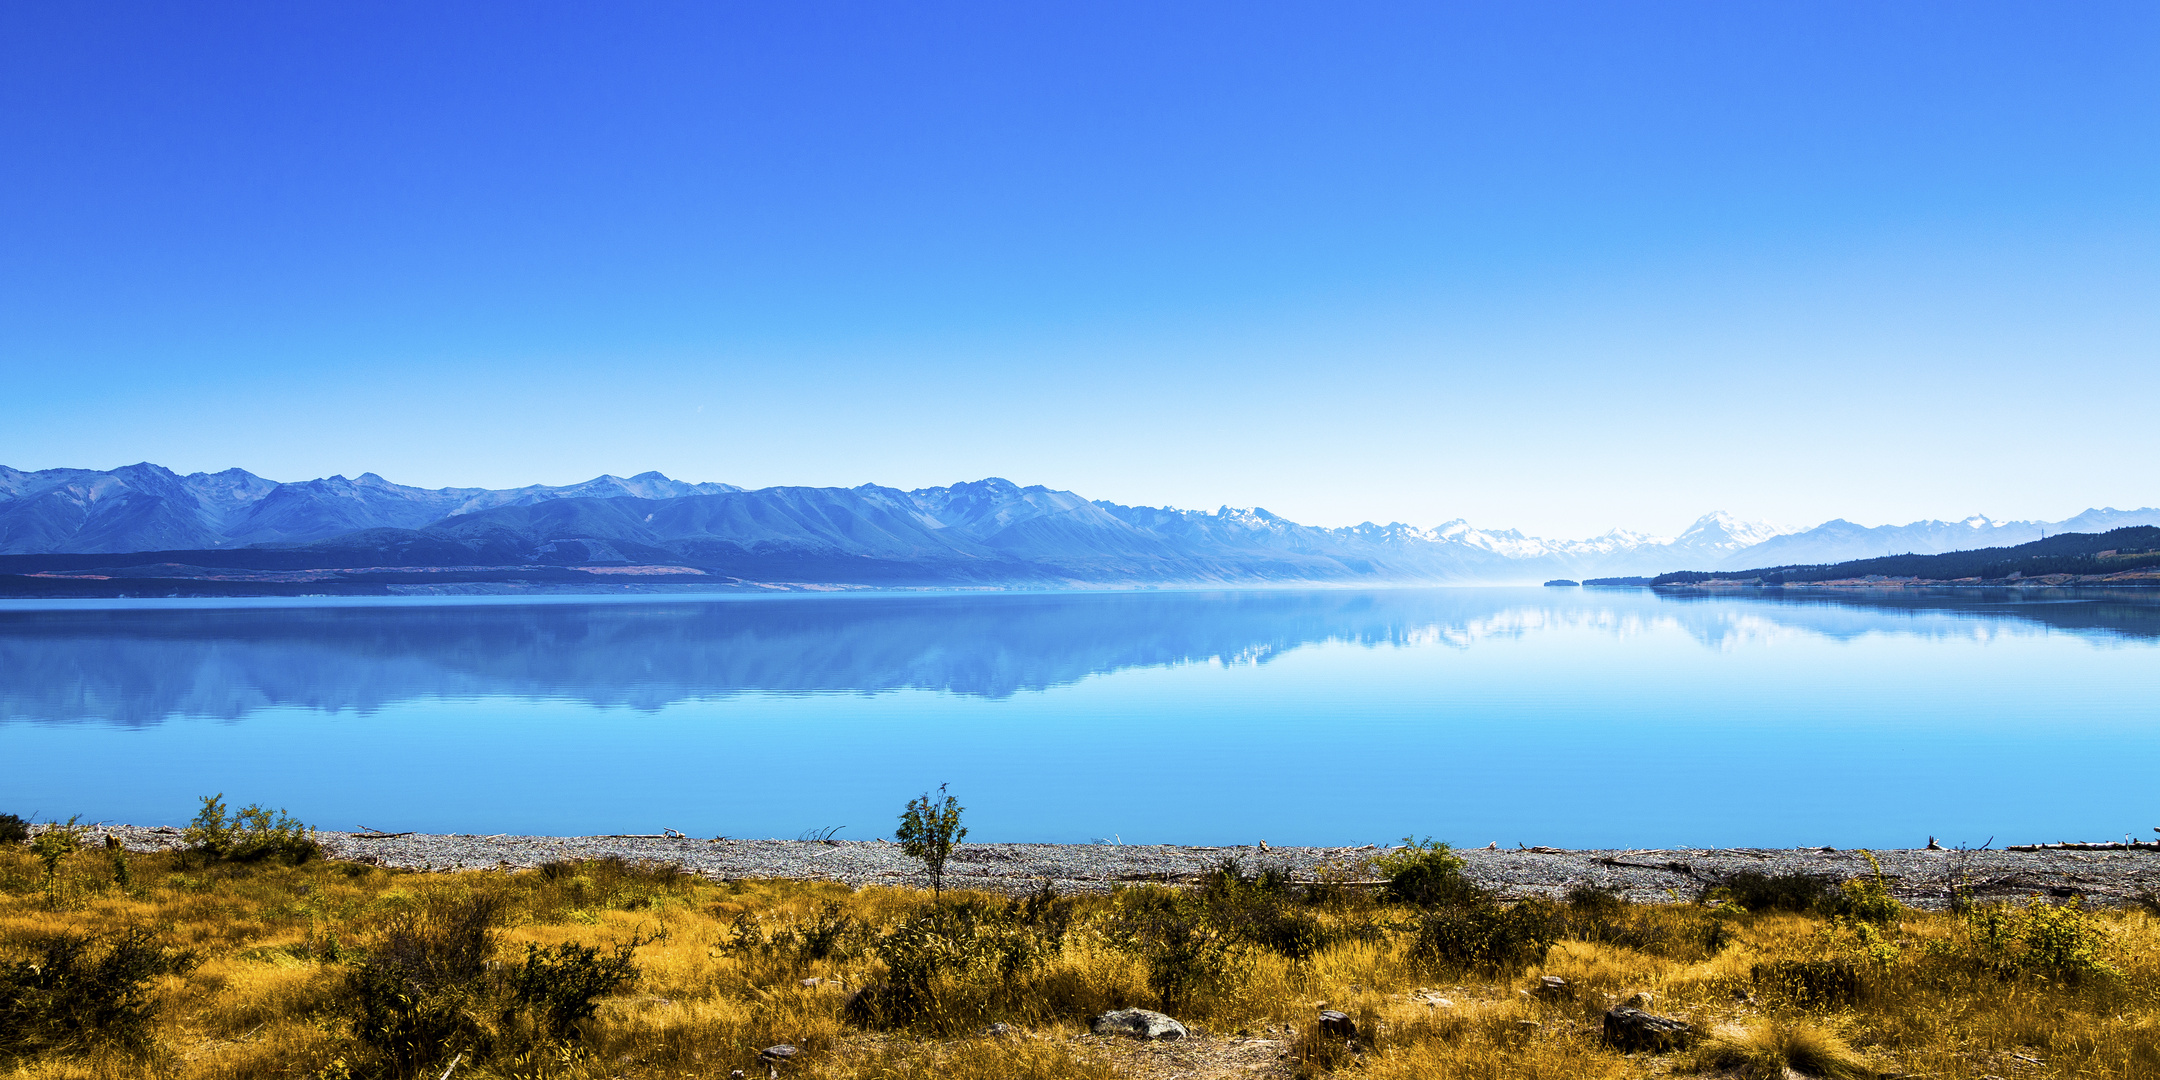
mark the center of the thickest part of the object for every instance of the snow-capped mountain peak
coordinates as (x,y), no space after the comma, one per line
(1720,531)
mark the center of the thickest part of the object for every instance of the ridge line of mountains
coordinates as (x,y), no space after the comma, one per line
(987,532)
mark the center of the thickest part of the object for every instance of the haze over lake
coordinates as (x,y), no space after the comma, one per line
(1610,718)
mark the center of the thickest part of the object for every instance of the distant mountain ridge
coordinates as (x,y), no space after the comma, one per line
(147,507)
(988,531)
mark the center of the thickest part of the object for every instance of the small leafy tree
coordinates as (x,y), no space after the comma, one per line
(928,831)
(53,845)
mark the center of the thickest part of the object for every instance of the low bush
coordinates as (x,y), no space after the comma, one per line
(1588,901)
(1427,874)
(1261,909)
(251,835)
(556,989)
(2057,941)
(421,994)
(946,965)
(1867,899)
(13,830)
(1675,932)
(430,988)
(80,991)
(1186,953)
(1488,938)
(1756,891)
(829,933)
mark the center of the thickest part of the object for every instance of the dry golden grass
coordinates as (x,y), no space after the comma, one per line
(276,942)
(1764,1051)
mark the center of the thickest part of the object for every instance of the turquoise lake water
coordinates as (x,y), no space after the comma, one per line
(1570,717)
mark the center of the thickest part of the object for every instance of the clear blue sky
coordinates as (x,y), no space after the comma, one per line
(1557,266)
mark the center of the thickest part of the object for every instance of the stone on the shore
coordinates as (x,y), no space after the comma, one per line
(1628,1028)
(1554,988)
(1336,1024)
(1138,1023)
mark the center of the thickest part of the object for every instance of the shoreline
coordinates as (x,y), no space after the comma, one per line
(2104,877)
(183,592)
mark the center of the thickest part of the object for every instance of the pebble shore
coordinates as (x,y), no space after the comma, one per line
(1919,877)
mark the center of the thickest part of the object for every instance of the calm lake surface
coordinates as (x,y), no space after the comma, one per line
(1568,717)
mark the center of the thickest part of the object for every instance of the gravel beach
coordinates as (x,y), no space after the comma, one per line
(1919,877)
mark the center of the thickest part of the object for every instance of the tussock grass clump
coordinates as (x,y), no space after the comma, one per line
(1765,1051)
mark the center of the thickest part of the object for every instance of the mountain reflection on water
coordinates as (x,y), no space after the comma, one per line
(140,666)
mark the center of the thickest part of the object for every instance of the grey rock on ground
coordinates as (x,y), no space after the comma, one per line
(1138,1023)
(1336,1024)
(1633,1029)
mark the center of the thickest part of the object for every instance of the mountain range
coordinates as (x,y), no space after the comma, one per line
(986,532)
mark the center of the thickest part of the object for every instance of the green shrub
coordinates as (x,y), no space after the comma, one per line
(1486,937)
(80,991)
(828,933)
(13,830)
(55,843)
(1675,932)
(2055,941)
(252,835)
(824,935)
(52,845)
(1867,899)
(939,960)
(1427,874)
(422,994)
(1185,952)
(560,988)
(430,988)
(1756,891)
(1046,914)
(1593,902)
(1260,909)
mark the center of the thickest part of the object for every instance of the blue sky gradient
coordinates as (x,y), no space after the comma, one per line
(1559,266)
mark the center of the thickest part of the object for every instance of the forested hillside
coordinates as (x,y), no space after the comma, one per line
(2111,552)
